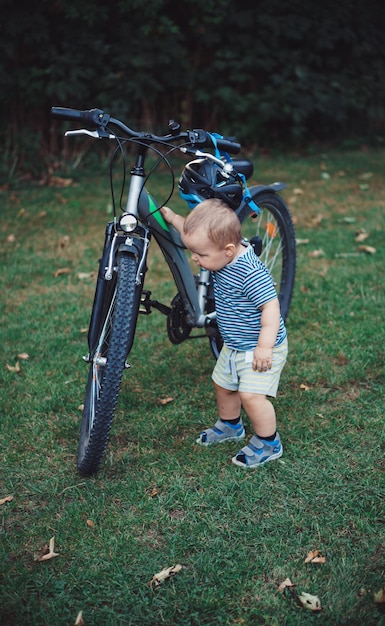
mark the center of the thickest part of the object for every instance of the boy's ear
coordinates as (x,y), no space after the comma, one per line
(229,249)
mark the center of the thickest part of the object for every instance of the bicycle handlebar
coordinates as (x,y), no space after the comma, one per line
(96,118)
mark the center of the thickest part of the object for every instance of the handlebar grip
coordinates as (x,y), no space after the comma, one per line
(202,138)
(92,117)
(226,145)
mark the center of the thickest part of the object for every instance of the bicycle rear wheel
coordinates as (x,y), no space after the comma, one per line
(271,231)
(107,362)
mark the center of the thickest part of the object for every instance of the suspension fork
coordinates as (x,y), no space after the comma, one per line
(137,245)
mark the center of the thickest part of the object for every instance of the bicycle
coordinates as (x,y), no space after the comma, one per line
(119,294)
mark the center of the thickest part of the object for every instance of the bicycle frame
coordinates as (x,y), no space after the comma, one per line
(142,206)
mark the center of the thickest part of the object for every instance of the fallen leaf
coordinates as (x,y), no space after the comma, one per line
(79,620)
(155,491)
(379,596)
(315,254)
(361,236)
(6,499)
(157,579)
(14,368)
(368,249)
(57,181)
(301,242)
(319,559)
(304,387)
(348,220)
(297,191)
(313,556)
(90,523)
(63,242)
(11,238)
(316,221)
(47,552)
(165,400)
(85,275)
(310,602)
(62,270)
(284,584)
(23,356)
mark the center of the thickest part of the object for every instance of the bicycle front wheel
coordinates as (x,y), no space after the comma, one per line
(272,234)
(107,362)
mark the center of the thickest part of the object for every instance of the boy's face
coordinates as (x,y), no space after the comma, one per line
(206,253)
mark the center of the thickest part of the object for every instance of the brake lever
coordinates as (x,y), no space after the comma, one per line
(96,134)
(227,166)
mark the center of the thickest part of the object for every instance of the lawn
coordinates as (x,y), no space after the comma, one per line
(249,543)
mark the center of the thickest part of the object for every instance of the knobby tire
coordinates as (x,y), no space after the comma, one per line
(116,336)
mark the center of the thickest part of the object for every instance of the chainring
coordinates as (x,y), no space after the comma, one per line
(178,328)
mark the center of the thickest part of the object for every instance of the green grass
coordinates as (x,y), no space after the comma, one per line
(159,499)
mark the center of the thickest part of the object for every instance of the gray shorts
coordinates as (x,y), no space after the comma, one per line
(233,371)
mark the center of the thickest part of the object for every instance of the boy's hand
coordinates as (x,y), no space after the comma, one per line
(173,218)
(167,214)
(262,359)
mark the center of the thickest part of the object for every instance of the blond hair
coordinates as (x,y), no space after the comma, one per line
(220,223)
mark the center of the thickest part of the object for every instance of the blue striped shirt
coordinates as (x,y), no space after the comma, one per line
(240,289)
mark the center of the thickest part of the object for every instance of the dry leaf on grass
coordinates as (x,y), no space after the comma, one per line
(47,552)
(63,242)
(379,596)
(315,254)
(62,270)
(23,356)
(6,499)
(316,221)
(153,492)
(304,387)
(365,176)
(16,369)
(165,400)
(163,575)
(361,236)
(313,556)
(79,619)
(57,181)
(86,275)
(310,602)
(90,523)
(368,249)
(284,585)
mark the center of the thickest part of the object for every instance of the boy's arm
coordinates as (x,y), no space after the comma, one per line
(270,321)
(173,218)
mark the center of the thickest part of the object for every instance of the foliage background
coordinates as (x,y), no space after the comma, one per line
(270,72)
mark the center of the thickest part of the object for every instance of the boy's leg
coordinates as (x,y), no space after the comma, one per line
(266,444)
(228,402)
(229,427)
(260,412)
